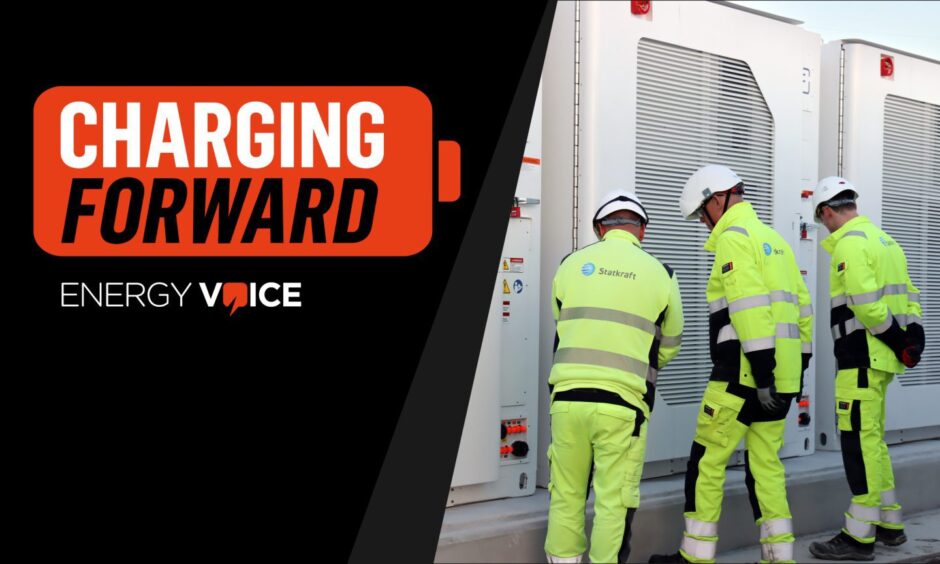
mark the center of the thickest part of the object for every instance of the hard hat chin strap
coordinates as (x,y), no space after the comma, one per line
(611,221)
(735,190)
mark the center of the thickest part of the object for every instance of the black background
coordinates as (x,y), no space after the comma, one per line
(186,432)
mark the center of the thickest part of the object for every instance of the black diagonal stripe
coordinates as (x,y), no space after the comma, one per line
(691,475)
(406,521)
(852,458)
(751,488)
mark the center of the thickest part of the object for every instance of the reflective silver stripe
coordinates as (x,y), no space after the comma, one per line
(806,348)
(726,333)
(671,341)
(866,298)
(851,325)
(784,296)
(859,529)
(883,326)
(788,331)
(908,318)
(704,550)
(752,345)
(605,314)
(888,497)
(864,513)
(717,305)
(563,559)
(895,289)
(856,234)
(891,516)
(837,301)
(806,311)
(748,303)
(911,297)
(573,355)
(869,297)
(740,230)
(776,552)
(774,527)
(651,374)
(700,528)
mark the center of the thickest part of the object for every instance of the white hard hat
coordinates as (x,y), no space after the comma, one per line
(708,180)
(617,200)
(830,187)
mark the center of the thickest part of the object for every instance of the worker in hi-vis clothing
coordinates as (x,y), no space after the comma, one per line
(618,317)
(877,332)
(760,336)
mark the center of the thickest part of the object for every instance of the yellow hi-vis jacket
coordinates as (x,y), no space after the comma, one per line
(871,296)
(618,317)
(760,317)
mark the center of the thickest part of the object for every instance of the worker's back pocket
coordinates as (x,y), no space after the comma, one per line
(560,407)
(613,420)
(618,411)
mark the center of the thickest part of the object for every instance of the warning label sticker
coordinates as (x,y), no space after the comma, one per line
(517,264)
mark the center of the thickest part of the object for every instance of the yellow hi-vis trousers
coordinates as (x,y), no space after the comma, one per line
(612,438)
(860,409)
(724,419)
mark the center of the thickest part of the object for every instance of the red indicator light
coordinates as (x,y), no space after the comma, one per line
(887,66)
(640,7)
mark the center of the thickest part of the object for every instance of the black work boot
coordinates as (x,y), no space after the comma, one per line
(842,547)
(890,537)
(667,558)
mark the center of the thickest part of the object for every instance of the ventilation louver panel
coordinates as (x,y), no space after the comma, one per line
(911,212)
(695,108)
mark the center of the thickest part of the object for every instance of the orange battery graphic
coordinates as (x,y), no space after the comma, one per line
(237,171)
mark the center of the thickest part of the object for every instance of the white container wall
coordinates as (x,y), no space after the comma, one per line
(881,130)
(499,450)
(640,102)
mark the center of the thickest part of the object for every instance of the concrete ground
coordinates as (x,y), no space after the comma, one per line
(923,544)
(513,530)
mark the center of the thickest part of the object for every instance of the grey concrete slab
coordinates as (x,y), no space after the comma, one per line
(513,530)
(923,544)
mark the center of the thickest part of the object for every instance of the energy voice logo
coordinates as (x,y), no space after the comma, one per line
(236,295)
(231,295)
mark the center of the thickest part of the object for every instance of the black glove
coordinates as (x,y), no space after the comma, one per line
(914,345)
(915,332)
(900,344)
(769,400)
(910,356)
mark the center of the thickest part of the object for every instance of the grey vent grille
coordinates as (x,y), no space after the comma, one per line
(911,208)
(695,108)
